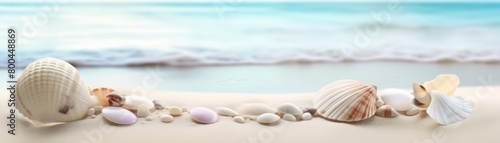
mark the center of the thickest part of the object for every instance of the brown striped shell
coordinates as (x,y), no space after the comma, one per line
(346,100)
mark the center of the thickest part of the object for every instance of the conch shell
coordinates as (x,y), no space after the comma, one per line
(346,100)
(52,91)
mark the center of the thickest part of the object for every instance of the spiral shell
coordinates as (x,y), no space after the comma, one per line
(52,91)
(346,100)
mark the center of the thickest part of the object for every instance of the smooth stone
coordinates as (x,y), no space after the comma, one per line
(239,119)
(224,111)
(289,117)
(311,110)
(143,111)
(119,115)
(268,118)
(158,104)
(149,118)
(91,111)
(98,109)
(203,115)
(175,111)
(133,102)
(398,99)
(413,111)
(166,118)
(306,116)
(184,109)
(93,117)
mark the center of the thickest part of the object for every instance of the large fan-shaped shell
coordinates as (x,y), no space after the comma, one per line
(448,110)
(346,100)
(51,90)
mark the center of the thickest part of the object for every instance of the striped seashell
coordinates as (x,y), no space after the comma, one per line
(346,100)
(448,110)
(386,111)
(52,91)
(101,93)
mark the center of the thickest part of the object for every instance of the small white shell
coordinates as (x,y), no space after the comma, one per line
(289,108)
(386,111)
(448,110)
(166,118)
(52,91)
(133,102)
(91,111)
(289,117)
(239,119)
(412,112)
(268,118)
(143,111)
(306,116)
(224,111)
(379,103)
(175,111)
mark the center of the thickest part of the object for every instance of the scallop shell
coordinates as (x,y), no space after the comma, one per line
(289,108)
(346,100)
(224,111)
(133,102)
(268,118)
(386,111)
(52,91)
(445,83)
(101,93)
(448,110)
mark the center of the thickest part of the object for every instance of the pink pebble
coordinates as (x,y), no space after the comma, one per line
(119,115)
(203,115)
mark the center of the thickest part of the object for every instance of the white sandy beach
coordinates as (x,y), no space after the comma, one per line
(482,126)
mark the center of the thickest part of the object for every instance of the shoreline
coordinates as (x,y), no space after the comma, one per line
(420,128)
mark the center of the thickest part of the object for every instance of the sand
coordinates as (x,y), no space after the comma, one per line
(482,126)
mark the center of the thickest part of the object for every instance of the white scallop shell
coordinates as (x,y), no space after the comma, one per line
(386,111)
(224,111)
(133,102)
(51,90)
(346,100)
(289,117)
(289,108)
(268,118)
(445,83)
(448,110)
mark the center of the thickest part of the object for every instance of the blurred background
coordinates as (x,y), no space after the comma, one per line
(285,46)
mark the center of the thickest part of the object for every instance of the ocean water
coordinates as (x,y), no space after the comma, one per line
(237,32)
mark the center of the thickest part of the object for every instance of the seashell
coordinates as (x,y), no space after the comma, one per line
(203,115)
(97,109)
(447,110)
(445,83)
(166,118)
(175,111)
(289,117)
(379,103)
(289,108)
(398,99)
(268,118)
(52,91)
(133,102)
(386,111)
(254,109)
(224,111)
(119,115)
(116,100)
(149,118)
(184,109)
(306,116)
(346,100)
(158,104)
(239,119)
(101,93)
(91,111)
(413,111)
(143,111)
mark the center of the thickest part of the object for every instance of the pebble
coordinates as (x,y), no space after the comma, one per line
(398,99)
(203,115)
(175,111)
(98,109)
(306,116)
(166,118)
(158,104)
(149,118)
(239,119)
(412,112)
(289,117)
(143,111)
(91,111)
(119,115)
(184,109)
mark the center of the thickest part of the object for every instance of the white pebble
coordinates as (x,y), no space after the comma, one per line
(412,112)
(93,117)
(91,111)
(143,111)
(175,111)
(184,109)
(166,118)
(306,116)
(379,103)
(239,119)
(149,118)
(98,109)
(289,117)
